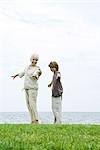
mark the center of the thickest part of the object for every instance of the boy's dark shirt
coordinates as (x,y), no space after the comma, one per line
(57,88)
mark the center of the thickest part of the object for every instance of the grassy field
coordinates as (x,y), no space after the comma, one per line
(49,137)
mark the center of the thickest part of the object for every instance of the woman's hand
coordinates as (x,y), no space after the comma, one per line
(34,78)
(14,76)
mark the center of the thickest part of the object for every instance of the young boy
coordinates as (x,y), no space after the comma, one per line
(57,91)
(32,74)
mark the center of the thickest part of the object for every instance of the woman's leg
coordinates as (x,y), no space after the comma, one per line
(33,105)
(28,103)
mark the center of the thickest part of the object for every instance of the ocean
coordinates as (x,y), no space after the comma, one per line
(47,118)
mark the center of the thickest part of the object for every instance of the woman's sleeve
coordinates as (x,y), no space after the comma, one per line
(37,73)
(21,74)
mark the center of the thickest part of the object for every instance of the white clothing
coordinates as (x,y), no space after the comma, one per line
(29,73)
(31,99)
(57,109)
(31,89)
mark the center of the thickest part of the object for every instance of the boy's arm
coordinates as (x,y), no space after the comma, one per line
(58,76)
(49,85)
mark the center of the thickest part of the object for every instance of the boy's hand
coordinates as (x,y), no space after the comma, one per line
(49,85)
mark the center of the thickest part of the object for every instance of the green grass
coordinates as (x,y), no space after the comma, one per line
(49,137)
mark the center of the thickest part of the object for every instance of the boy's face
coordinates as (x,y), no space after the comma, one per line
(52,69)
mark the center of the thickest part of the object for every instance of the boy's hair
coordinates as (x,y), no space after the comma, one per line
(53,64)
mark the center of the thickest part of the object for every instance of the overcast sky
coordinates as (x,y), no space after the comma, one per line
(67,31)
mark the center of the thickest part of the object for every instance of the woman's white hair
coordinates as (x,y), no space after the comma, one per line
(34,56)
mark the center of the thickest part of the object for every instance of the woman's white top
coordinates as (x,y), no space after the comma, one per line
(30,72)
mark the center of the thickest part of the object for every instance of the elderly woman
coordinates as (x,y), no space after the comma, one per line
(32,74)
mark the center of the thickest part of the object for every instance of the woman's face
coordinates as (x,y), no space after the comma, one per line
(34,62)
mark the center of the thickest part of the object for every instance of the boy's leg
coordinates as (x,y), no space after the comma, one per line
(57,108)
(33,104)
(53,110)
